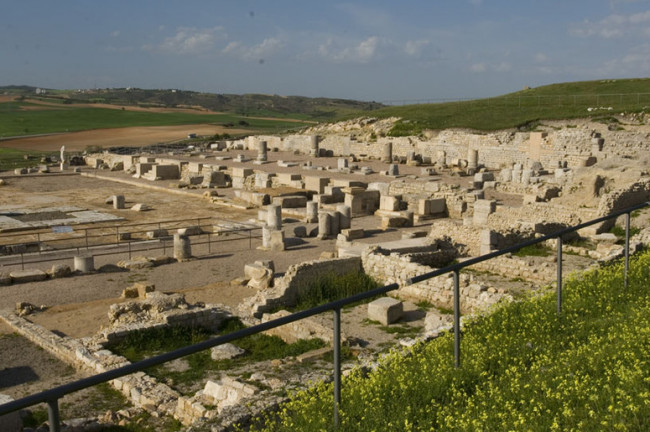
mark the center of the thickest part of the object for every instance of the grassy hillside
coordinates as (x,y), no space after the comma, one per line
(524,108)
(297,107)
(524,368)
(19,119)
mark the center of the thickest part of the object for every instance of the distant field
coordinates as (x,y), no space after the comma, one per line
(23,118)
(523,109)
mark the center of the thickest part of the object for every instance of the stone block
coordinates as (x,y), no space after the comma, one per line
(10,422)
(24,276)
(353,234)
(60,270)
(225,352)
(316,184)
(300,231)
(259,276)
(241,172)
(143,289)
(390,203)
(291,201)
(386,310)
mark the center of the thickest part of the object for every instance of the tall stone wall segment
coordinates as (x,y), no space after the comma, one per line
(297,278)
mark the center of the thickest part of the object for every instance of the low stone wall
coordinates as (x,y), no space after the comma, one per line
(90,355)
(514,267)
(143,390)
(636,193)
(297,278)
(398,269)
(303,329)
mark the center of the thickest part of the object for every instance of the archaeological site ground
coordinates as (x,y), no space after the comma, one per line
(109,257)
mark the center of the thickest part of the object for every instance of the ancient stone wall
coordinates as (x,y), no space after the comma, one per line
(514,267)
(298,277)
(395,268)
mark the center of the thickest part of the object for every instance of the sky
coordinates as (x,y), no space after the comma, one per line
(376,50)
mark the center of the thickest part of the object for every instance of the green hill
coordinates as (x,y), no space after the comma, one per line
(296,107)
(524,368)
(524,109)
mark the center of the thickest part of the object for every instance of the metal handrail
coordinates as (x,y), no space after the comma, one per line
(51,396)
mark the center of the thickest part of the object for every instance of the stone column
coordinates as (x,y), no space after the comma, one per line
(345,219)
(335,227)
(261,151)
(472,159)
(313,149)
(342,163)
(266,237)
(387,152)
(311,212)
(118,202)
(274,216)
(84,263)
(182,247)
(393,170)
(324,225)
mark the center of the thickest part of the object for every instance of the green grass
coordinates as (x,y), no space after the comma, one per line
(333,287)
(538,250)
(524,109)
(524,368)
(619,231)
(14,158)
(16,122)
(146,343)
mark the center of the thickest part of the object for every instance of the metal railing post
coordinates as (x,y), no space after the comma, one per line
(457,318)
(559,275)
(337,365)
(86,231)
(53,415)
(627,247)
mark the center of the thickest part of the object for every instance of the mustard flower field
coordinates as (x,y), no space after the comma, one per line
(524,368)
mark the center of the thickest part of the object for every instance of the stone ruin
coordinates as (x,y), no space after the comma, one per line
(474,193)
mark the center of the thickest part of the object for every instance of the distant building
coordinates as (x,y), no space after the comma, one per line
(40,91)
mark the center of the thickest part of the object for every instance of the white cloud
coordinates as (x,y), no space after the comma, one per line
(478,67)
(189,40)
(361,52)
(492,67)
(614,26)
(414,48)
(259,52)
(541,58)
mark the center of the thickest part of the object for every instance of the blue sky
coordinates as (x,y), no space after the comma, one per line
(368,50)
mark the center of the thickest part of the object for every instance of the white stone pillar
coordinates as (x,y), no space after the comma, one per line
(84,263)
(274,216)
(345,219)
(182,247)
(311,212)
